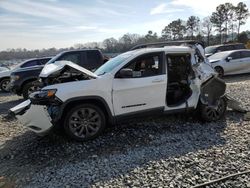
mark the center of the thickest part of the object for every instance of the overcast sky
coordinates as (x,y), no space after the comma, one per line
(36,24)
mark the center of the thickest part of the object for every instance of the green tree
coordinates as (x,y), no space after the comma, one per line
(242,14)
(193,25)
(176,29)
(218,19)
(207,28)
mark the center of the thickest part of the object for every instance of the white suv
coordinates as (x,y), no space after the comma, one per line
(137,83)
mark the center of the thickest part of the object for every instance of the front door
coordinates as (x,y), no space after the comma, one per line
(145,90)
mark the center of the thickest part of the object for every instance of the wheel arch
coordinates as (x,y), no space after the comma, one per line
(218,66)
(5,77)
(28,80)
(96,100)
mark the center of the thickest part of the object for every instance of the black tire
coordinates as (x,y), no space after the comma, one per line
(4,83)
(210,114)
(84,122)
(220,71)
(28,89)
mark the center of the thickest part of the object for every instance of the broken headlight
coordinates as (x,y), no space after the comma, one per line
(45,97)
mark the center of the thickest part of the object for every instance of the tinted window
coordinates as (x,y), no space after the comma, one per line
(227,48)
(93,57)
(44,61)
(30,63)
(235,55)
(245,54)
(221,49)
(146,66)
(73,57)
(239,46)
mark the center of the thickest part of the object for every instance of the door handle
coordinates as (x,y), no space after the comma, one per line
(157,80)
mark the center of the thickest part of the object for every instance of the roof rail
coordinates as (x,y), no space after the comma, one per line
(167,43)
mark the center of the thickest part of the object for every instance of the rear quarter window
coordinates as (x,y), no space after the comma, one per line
(245,54)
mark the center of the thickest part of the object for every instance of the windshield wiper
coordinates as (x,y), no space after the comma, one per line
(101,74)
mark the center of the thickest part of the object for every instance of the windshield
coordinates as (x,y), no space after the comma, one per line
(220,55)
(210,50)
(112,63)
(54,58)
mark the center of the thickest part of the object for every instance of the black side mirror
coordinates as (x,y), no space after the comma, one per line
(125,73)
(229,59)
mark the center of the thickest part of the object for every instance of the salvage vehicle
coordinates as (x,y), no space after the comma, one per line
(141,82)
(5,75)
(231,62)
(210,50)
(25,81)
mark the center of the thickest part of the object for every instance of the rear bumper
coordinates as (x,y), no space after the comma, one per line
(34,117)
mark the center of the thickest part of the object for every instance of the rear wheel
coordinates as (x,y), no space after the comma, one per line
(84,122)
(209,113)
(28,89)
(220,71)
(4,84)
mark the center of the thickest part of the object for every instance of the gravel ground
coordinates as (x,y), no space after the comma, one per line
(171,151)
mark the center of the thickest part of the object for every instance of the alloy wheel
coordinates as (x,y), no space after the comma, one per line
(85,122)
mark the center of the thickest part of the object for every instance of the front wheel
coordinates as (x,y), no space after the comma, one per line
(220,71)
(84,122)
(209,114)
(28,89)
(4,84)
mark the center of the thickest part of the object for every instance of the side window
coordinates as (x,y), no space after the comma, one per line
(245,54)
(93,57)
(227,48)
(73,57)
(44,61)
(146,66)
(235,55)
(30,64)
(221,49)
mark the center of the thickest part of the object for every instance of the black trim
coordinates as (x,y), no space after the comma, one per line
(134,105)
(139,114)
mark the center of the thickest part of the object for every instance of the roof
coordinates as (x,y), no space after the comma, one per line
(172,49)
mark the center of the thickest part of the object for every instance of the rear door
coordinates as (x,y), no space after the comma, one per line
(245,61)
(235,65)
(146,90)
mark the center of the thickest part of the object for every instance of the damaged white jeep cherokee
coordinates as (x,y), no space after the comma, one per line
(141,82)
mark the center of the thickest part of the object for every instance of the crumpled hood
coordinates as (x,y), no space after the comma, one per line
(58,65)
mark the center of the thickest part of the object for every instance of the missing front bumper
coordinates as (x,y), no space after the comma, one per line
(34,117)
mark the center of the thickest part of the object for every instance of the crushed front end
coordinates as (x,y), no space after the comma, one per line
(39,112)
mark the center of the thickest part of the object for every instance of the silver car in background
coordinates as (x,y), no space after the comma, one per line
(231,62)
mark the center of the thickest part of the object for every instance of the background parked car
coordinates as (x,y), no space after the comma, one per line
(5,75)
(3,69)
(231,62)
(210,50)
(22,79)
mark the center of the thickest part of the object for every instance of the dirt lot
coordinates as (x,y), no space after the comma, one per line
(171,151)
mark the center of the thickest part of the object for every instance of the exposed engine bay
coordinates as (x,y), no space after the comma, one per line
(64,71)
(67,74)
